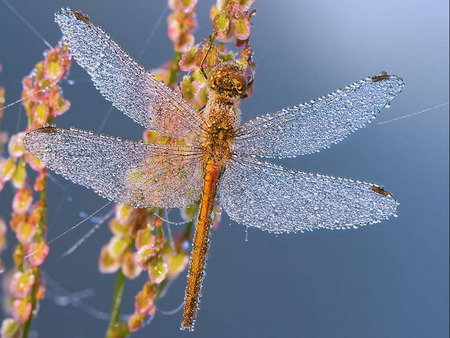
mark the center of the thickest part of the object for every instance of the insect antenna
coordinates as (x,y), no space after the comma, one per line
(212,37)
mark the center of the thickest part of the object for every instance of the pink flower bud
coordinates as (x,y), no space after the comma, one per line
(7,168)
(21,310)
(25,232)
(37,252)
(135,322)
(144,300)
(22,201)
(15,145)
(21,283)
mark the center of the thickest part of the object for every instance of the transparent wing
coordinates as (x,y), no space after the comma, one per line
(130,173)
(123,81)
(272,198)
(313,126)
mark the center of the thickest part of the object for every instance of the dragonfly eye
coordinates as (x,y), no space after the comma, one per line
(240,84)
(228,78)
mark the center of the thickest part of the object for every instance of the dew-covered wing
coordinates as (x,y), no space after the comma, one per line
(123,81)
(316,125)
(279,200)
(129,173)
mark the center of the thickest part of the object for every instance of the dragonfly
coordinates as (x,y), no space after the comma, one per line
(217,158)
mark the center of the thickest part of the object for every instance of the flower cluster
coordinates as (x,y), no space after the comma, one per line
(181,23)
(231,21)
(3,138)
(43,100)
(139,243)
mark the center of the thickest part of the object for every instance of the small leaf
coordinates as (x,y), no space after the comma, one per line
(7,168)
(117,246)
(157,271)
(243,5)
(129,267)
(221,22)
(10,329)
(187,60)
(106,263)
(20,175)
(241,27)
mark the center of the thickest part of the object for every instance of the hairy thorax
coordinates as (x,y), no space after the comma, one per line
(222,117)
(226,85)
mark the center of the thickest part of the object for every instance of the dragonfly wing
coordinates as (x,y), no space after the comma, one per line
(138,174)
(279,200)
(123,81)
(316,125)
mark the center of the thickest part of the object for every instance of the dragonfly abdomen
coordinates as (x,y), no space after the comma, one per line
(197,265)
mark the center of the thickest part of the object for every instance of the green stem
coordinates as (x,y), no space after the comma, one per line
(174,70)
(27,325)
(117,301)
(36,272)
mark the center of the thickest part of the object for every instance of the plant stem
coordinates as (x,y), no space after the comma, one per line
(37,273)
(174,70)
(27,325)
(117,301)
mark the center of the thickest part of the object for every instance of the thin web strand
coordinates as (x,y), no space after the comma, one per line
(29,96)
(171,312)
(83,239)
(413,114)
(27,23)
(71,228)
(153,31)
(73,301)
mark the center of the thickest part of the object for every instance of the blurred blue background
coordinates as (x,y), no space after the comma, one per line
(386,280)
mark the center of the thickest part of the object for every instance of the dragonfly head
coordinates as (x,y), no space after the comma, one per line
(228,79)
